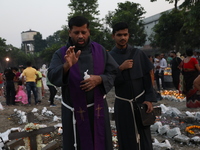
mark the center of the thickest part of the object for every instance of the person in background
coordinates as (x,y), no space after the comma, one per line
(39,84)
(169,59)
(195,55)
(21,96)
(191,70)
(196,83)
(157,70)
(83,99)
(17,75)
(175,66)
(133,82)
(22,68)
(30,74)
(53,91)
(10,88)
(152,71)
(163,65)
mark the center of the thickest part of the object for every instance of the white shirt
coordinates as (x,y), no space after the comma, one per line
(163,64)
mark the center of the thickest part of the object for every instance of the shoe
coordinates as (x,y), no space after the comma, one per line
(53,105)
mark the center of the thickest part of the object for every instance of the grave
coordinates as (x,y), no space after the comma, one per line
(32,136)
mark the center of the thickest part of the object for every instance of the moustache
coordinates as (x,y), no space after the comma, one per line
(122,40)
(80,40)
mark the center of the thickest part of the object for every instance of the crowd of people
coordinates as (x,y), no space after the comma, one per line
(85,117)
(17,84)
(184,72)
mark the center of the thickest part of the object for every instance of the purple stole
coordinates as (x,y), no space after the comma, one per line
(78,98)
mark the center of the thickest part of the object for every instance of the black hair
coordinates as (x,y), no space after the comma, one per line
(119,26)
(173,52)
(78,21)
(156,55)
(19,82)
(28,64)
(15,68)
(7,70)
(35,67)
(189,52)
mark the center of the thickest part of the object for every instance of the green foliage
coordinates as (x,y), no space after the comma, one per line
(48,52)
(64,34)
(170,1)
(131,13)
(39,43)
(167,33)
(2,47)
(2,42)
(178,29)
(54,39)
(191,28)
(83,7)
(88,9)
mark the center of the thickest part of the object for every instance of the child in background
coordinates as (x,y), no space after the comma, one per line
(21,96)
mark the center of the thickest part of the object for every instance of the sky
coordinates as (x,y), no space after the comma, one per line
(48,16)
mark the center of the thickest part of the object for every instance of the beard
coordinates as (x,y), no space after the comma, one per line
(80,43)
(122,43)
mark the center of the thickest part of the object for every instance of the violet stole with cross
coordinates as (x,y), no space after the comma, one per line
(78,97)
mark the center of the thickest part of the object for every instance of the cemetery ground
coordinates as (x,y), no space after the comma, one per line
(7,121)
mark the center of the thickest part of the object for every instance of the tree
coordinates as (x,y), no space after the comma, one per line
(2,42)
(2,47)
(47,54)
(64,34)
(191,28)
(167,33)
(39,43)
(54,39)
(170,1)
(88,8)
(131,13)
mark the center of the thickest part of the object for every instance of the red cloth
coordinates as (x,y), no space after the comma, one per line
(1,78)
(190,64)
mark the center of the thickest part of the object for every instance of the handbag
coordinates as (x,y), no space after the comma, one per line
(147,119)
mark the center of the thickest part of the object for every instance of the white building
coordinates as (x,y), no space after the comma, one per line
(28,40)
(149,23)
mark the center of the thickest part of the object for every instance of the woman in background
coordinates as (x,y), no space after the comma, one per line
(190,72)
(10,88)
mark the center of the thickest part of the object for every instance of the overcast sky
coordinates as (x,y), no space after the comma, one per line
(48,16)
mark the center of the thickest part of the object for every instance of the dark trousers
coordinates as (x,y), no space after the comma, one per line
(53,92)
(159,76)
(10,93)
(175,77)
(31,86)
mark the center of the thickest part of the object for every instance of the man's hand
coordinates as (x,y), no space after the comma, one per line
(149,106)
(71,58)
(91,82)
(127,64)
